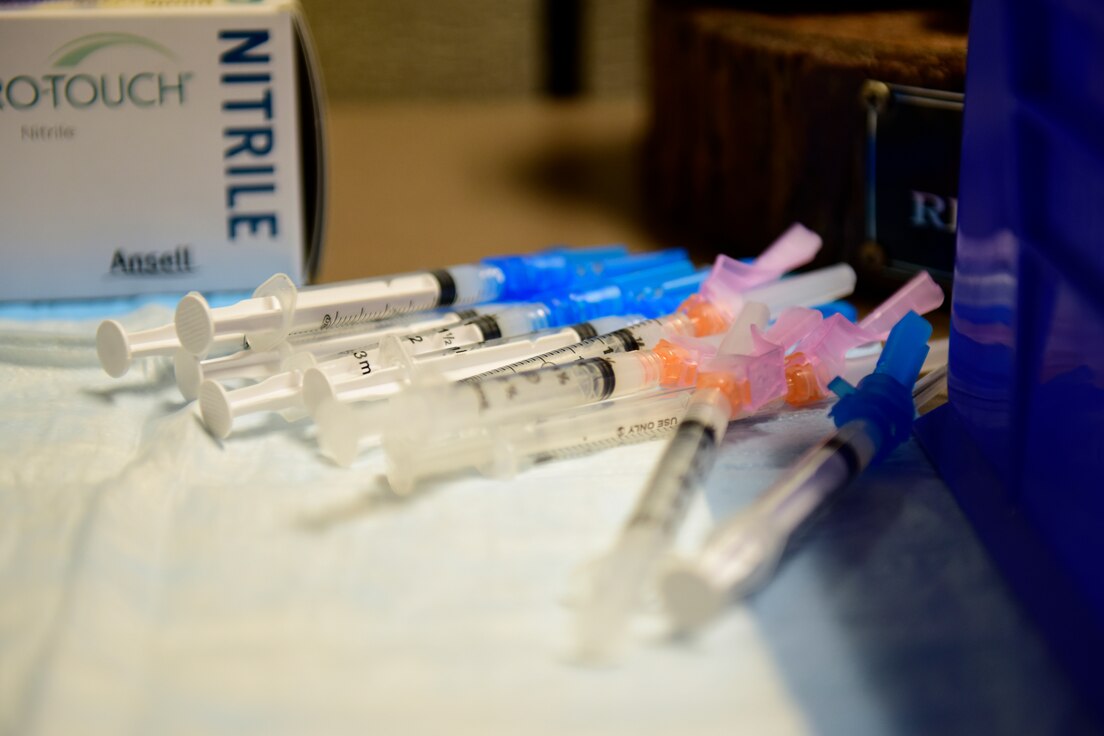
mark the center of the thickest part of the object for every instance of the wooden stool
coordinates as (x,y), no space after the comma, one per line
(757,120)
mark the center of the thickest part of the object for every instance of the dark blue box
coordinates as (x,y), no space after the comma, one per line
(1021,441)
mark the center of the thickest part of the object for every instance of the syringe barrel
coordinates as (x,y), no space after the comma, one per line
(643,335)
(394,348)
(684,464)
(351,365)
(334,341)
(278,309)
(320,386)
(453,364)
(506,449)
(742,551)
(461,363)
(510,322)
(327,307)
(600,426)
(518,320)
(442,410)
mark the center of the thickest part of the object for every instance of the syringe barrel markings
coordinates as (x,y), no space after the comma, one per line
(643,335)
(361,301)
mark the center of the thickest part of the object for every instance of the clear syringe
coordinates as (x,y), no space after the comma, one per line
(256,365)
(341,431)
(742,553)
(306,382)
(432,412)
(592,377)
(630,278)
(746,374)
(711,310)
(278,308)
(444,410)
(707,312)
(618,296)
(697,319)
(505,450)
(440,411)
(343,423)
(352,382)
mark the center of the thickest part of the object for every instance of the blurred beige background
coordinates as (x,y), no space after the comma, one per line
(377,50)
(444,148)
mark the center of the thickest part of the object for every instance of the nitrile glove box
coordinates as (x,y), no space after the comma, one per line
(156,147)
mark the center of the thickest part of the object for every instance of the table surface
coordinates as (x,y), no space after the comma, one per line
(156,580)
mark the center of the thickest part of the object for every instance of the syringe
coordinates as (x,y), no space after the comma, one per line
(702,316)
(729,277)
(580,380)
(444,410)
(713,308)
(504,450)
(622,294)
(117,349)
(873,420)
(562,379)
(746,374)
(341,432)
(278,308)
(805,290)
(432,412)
(439,411)
(352,381)
(634,282)
(306,382)
(747,386)
(359,367)
(256,365)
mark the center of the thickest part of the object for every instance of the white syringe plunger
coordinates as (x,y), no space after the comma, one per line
(692,598)
(341,428)
(117,348)
(265,318)
(408,463)
(600,630)
(219,407)
(254,365)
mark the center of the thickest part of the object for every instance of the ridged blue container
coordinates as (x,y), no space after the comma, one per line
(1021,442)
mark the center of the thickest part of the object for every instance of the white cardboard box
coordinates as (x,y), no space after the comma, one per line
(159,146)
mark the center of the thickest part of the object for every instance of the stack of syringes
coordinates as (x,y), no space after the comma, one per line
(288,350)
(517,360)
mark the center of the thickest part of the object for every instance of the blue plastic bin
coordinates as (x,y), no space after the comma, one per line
(1021,441)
